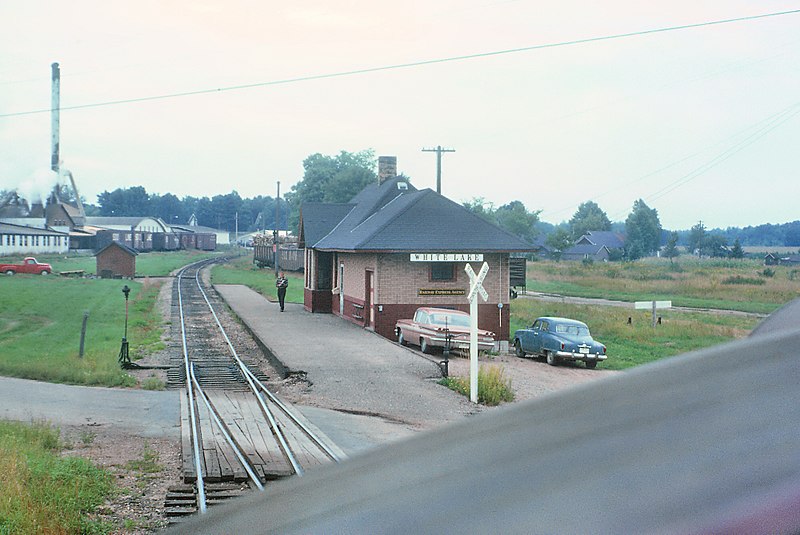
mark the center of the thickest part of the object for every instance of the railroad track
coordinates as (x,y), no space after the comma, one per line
(236,435)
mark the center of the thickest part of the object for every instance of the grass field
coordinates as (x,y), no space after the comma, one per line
(744,285)
(241,270)
(155,264)
(40,327)
(639,343)
(43,492)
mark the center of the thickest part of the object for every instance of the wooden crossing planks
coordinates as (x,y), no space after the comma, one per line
(306,451)
(251,432)
(243,419)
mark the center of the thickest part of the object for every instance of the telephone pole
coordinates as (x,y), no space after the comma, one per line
(275,233)
(438,150)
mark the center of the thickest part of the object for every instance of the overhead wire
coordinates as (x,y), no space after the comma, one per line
(761,127)
(409,64)
(773,122)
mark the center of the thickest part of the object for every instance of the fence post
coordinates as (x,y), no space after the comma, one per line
(83,331)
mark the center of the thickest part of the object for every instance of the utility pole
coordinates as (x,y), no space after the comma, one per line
(275,234)
(438,150)
(55,111)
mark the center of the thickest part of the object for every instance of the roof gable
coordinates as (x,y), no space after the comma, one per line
(122,246)
(610,239)
(317,219)
(386,218)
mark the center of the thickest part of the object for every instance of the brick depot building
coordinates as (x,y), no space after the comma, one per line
(394,248)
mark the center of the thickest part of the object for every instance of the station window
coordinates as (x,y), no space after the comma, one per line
(443,271)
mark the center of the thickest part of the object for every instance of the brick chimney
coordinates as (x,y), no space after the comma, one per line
(387,168)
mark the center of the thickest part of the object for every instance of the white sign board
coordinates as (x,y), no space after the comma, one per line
(647,305)
(447,257)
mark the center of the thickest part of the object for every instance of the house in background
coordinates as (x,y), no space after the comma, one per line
(29,240)
(585,251)
(394,248)
(595,245)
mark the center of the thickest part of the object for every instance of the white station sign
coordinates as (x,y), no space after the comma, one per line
(447,257)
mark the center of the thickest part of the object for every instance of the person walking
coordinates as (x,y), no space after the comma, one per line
(281,283)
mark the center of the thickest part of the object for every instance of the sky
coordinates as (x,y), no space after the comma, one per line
(702,123)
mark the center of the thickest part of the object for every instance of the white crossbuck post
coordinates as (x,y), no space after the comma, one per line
(475,288)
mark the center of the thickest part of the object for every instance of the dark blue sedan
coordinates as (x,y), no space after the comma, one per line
(559,339)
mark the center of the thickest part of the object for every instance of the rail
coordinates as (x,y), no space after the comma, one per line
(197,394)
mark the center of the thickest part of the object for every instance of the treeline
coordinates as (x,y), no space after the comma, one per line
(220,211)
(338,178)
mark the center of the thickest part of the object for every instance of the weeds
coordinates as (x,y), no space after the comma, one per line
(87,437)
(153,383)
(41,492)
(148,464)
(493,387)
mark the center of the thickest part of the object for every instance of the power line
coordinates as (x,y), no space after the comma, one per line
(756,131)
(409,65)
(772,123)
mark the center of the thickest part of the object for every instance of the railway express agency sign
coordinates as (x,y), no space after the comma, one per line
(447,257)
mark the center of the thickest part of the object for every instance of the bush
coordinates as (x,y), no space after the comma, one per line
(738,279)
(493,387)
(768,272)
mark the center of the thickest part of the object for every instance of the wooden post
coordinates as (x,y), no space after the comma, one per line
(83,331)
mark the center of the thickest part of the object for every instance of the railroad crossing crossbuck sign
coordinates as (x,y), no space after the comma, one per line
(475,288)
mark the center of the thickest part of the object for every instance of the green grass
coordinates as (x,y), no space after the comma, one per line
(493,387)
(241,270)
(155,264)
(42,492)
(639,343)
(700,283)
(40,327)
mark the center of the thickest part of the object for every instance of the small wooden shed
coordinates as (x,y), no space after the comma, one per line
(116,260)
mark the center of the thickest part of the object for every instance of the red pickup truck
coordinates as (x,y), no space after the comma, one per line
(29,265)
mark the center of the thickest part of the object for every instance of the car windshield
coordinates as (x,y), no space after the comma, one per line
(457,320)
(572,329)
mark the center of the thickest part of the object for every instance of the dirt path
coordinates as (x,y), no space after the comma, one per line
(557,298)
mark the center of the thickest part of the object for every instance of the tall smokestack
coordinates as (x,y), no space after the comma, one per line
(387,168)
(54,116)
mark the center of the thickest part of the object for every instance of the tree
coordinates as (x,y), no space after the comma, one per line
(331,179)
(697,236)
(559,241)
(512,217)
(347,183)
(714,245)
(482,207)
(169,208)
(516,219)
(125,202)
(643,230)
(588,217)
(737,251)
(671,249)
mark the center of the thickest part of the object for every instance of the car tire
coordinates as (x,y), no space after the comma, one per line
(10,272)
(401,339)
(45,272)
(518,349)
(423,345)
(591,364)
(551,358)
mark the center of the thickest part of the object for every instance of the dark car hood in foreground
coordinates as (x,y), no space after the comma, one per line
(701,443)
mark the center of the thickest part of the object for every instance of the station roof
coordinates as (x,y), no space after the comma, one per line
(396,217)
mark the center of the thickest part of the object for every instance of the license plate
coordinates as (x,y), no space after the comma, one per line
(583,350)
